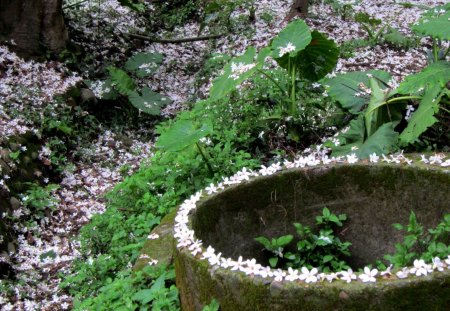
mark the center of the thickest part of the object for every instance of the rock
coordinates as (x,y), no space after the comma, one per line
(15,203)
(373,196)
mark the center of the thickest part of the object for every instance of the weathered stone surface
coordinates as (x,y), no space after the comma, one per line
(373,197)
(160,249)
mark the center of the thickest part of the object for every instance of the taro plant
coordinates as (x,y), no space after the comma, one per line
(121,82)
(301,55)
(319,248)
(379,109)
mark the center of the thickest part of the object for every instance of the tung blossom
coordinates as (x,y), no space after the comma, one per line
(368,275)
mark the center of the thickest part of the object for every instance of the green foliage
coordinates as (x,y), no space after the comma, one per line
(119,81)
(434,74)
(396,39)
(144,64)
(213,306)
(148,101)
(183,134)
(419,243)
(297,34)
(40,200)
(436,26)
(322,250)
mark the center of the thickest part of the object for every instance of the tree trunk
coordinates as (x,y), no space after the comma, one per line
(298,8)
(34,26)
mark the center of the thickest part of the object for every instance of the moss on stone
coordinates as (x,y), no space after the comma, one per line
(161,248)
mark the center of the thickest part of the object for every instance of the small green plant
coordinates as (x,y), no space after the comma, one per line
(322,249)
(40,200)
(213,306)
(120,82)
(419,243)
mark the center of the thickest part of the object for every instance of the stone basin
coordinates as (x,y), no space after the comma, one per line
(374,196)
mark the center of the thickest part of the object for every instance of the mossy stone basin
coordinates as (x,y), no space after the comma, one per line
(374,196)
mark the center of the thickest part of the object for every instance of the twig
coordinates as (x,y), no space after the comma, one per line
(179,40)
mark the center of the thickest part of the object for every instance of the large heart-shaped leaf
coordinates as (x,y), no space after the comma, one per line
(237,71)
(121,81)
(144,64)
(436,27)
(437,74)
(423,118)
(373,118)
(346,88)
(149,102)
(317,59)
(292,39)
(182,134)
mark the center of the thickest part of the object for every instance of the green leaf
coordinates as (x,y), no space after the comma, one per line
(434,74)
(316,60)
(398,226)
(182,134)
(264,241)
(273,261)
(284,240)
(383,141)
(327,258)
(235,72)
(149,102)
(121,81)
(436,27)
(423,118)
(372,118)
(344,88)
(296,34)
(144,64)
(146,295)
(326,212)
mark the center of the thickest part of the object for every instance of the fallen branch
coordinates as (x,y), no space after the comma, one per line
(179,40)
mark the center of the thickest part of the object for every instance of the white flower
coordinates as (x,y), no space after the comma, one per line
(348,275)
(153,236)
(238,265)
(420,268)
(438,264)
(409,110)
(209,252)
(316,85)
(287,49)
(424,159)
(352,158)
(196,247)
(325,239)
(211,189)
(252,267)
(153,262)
(214,259)
(292,274)
(279,275)
(402,273)
(387,271)
(446,163)
(226,262)
(368,275)
(328,276)
(238,69)
(309,276)
(374,158)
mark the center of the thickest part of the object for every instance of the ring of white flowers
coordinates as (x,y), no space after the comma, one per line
(186,239)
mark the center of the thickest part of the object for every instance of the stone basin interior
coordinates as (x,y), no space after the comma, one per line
(373,197)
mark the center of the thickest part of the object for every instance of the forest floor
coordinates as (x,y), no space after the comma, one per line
(29,86)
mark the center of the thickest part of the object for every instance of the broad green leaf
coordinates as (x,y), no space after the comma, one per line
(423,117)
(292,39)
(436,74)
(383,141)
(144,64)
(436,27)
(264,241)
(373,116)
(284,240)
(182,134)
(235,72)
(121,81)
(317,59)
(273,261)
(149,102)
(346,88)
(327,258)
